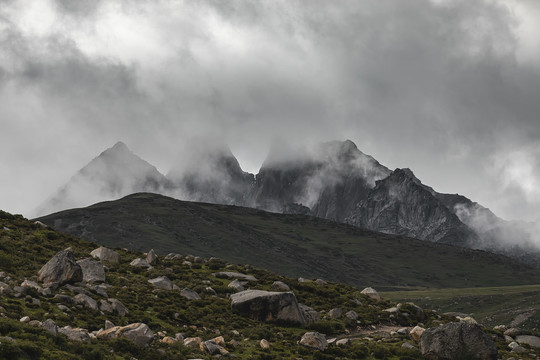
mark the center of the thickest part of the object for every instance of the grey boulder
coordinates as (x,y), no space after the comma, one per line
(106,254)
(314,340)
(61,269)
(162,282)
(93,270)
(455,341)
(268,306)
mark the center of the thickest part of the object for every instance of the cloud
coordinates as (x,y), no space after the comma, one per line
(437,86)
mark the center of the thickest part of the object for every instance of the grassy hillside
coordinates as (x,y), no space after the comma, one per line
(291,245)
(26,246)
(516,305)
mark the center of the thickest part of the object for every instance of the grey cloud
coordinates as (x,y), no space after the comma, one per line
(436,88)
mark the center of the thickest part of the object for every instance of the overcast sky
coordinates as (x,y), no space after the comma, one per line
(450,89)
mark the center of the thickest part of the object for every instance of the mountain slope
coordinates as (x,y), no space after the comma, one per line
(116,172)
(400,204)
(329,179)
(291,245)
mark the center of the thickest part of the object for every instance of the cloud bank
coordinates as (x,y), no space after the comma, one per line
(448,88)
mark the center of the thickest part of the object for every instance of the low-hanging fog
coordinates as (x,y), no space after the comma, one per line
(448,88)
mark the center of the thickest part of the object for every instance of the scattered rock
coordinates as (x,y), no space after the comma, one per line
(210,347)
(302,280)
(108,324)
(66,299)
(210,290)
(25,319)
(314,340)
(50,326)
(193,342)
(416,333)
(268,306)
(138,262)
(168,340)
(64,308)
(343,342)
(403,331)
(118,307)
(408,345)
(106,254)
(190,294)
(372,293)
(460,340)
(31,285)
(76,334)
(320,282)
(237,285)
(105,306)
(86,301)
(162,282)
(280,286)
(513,332)
(516,348)
(93,270)
(179,337)
(335,313)
(533,341)
(310,314)
(61,269)
(151,257)
(138,333)
(235,275)
(40,224)
(264,344)
(351,315)
(5,289)
(173,256)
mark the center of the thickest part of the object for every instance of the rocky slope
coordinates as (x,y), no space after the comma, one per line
(116,172)
(149,306)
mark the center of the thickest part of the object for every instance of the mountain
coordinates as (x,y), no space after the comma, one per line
(400,204)
(116,172)
(329,180)
(210,173)
(291,245)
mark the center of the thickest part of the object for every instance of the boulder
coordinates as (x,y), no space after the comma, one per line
(237,285)
(86,301)
(105,254)
(512,332)
(61,269)
(210,347)
(5,289)
(335,313)
(138,262)
(314,340)
(31,285)
(105,306)
(93,270)
(151,257)
(310,314)
(162,282)
(50,326)
(108,324)
(416,333)
(351,315)
(268,306)
(138,333)
(264,344)
(280,286)
(320,282)
(234,275)
(173,256)
(533,341)
(372,293)
(25,319)
(343,342)
(76,334)
(168,340)
(190,294)
(516,348)
(193,342)
(118,307)
(457,341)
(108,334)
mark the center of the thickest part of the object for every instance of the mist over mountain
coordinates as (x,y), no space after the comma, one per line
(116,172)
(210,173)
(332,180)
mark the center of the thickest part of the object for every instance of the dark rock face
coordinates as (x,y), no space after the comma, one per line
(329,180)
(400,205)
(455,341)
(93,270)
(268,306)
(61,269)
